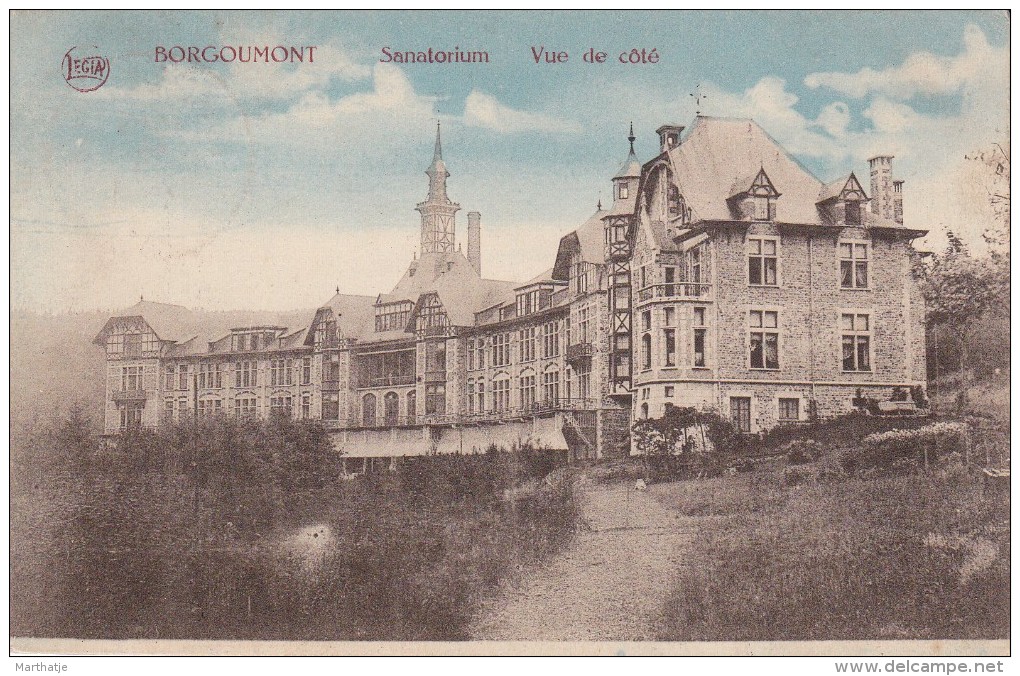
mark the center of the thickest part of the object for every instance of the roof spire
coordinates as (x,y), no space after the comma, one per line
(438,154)
(338,289)
(599,205)
(631,138)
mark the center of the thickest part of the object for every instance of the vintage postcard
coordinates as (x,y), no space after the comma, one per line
(628,332)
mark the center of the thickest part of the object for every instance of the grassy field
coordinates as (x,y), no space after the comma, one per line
(908,554)
(118,549)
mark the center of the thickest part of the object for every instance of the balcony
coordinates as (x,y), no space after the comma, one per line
(578,352)
(129,395)
(537,409)
(386,381)
(676,291)
(330,385)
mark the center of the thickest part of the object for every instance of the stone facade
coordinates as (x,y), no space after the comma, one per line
(742,285)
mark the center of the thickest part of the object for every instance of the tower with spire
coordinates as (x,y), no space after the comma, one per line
(437,211)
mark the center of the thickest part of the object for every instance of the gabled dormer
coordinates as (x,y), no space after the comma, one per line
(842,202)
(753,198)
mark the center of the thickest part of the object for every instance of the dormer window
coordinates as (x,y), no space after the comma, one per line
(754,199)
(624,191)
(853,212)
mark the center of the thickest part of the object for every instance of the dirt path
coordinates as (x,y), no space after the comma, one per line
(610,582)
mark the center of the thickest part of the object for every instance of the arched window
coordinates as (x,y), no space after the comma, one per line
(646,351)
(391,406)
(412,405)
(368,410)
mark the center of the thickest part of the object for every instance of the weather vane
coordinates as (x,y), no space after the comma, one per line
(699,98)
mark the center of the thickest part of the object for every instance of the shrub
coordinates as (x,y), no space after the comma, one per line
(803,451)
(800,474)
(907,448)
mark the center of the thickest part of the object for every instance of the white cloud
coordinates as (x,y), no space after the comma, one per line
(834,119)
(773,107)
(920,73)
(483,110)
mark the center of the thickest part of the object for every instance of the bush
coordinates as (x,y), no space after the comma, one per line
(802,452)
(908,448)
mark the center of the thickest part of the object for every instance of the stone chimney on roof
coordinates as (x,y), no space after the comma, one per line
(882,186)
(897,192)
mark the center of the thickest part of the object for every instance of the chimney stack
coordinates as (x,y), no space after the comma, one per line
(474,254)
(897,191)
(881,186)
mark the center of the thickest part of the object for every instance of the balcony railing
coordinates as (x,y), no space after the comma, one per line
(676,290)
(330,385)
(387,381)
(438,376)
(579,351)
(129,395)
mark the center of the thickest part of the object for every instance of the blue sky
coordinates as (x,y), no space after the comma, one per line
(265,185)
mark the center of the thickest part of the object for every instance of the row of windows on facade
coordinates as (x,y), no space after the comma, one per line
(788,408)
(242,406)
(532,342)
(528,390)
(211,375)
(763,257)
(763,340)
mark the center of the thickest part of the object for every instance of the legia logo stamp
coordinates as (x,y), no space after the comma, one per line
(85,69)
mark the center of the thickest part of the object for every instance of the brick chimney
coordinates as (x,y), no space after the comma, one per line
(897,192)
(881,186)
(474,254)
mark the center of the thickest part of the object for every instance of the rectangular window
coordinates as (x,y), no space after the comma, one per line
(306,406)
(646,351)
(282,405)
(171,377)
(764,339)
(501,394)
(646,320)
(306,371)
(762,261)
(182,377)
(789,409)
(740,413)
(669,391)
(624,190)
(670,316)
(471,396)
(288,372)
(276,372)
(209,407)
(480,356)
(853,212)
(669,336)
(527,392)
(551,387)
(699,336)
(168,410)
(435,399)
(501,349)
(853,265)
(551,340)
(856,331)
(471,354)
(480,387)
(527,339)
(245,407)
(131,378)
(245,374)
(330,406)
(131,415)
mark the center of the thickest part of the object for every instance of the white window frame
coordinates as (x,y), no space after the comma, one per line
(748,255)
(743,394)
(763,329)
(870,333)
(802,413)
(869,250)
